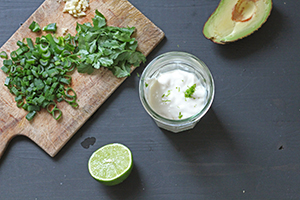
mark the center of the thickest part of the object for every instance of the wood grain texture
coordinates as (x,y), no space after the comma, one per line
(92,90)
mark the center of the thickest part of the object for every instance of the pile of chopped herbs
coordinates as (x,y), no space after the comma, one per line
(39,74)
(100,45)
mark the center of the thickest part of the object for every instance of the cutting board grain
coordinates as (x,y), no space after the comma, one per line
(92,90)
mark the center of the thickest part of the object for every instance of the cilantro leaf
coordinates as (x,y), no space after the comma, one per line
(83,28)
(105,61)
(85,68)
(190,91)
(122,70)
(96,65)
(136,57)
(132,45)
(92,46)
(99,20)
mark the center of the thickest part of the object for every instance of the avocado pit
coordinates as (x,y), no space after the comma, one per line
(244,10)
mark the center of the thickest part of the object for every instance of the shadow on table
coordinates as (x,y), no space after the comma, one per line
(209,142)
(127,189)
(209,129)
(210,155)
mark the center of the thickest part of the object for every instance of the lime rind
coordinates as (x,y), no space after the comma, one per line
(111,164)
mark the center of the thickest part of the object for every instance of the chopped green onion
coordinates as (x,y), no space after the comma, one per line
(13,56)
(33,108)
(30,61)
(30,115)
(43,48)
(53,72)
(65,81)
(39,84)
(56,113)
(7,62)
(3,54)
(7,80)
(5,69)
(34,27)
(44,62)
(30,43)
(58,49)
(37,40)
(46,55)
(20,44)
(50,27)
(14,91)
(20,103)
(37,74)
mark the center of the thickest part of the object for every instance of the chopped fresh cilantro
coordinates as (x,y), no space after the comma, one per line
(190,91)
(180,115)
(166,100)
(166,95)
(146,84)
(100,45)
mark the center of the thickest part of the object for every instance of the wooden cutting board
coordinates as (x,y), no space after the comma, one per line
(92,90)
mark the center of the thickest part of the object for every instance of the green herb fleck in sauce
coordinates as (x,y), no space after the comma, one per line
(180,115)
(166,95)
(190,91)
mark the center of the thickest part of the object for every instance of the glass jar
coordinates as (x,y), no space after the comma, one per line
(168,62)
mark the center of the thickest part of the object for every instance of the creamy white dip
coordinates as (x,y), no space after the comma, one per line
(166,94)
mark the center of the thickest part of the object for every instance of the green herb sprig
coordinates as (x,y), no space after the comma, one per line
(100,45)
(190,91)
(166,95)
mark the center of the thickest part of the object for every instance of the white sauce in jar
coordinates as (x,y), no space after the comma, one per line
(166,94)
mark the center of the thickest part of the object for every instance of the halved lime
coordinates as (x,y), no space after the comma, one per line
(111,164)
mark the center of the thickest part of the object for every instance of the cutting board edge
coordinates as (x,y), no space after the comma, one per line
(25,22)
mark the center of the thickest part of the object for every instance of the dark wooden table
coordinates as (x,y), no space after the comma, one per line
(246,147)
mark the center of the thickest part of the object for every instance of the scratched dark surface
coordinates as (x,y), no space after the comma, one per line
(246,147)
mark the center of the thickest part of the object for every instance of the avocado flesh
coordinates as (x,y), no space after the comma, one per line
(236,19)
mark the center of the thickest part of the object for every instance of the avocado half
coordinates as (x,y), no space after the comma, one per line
(236,19)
